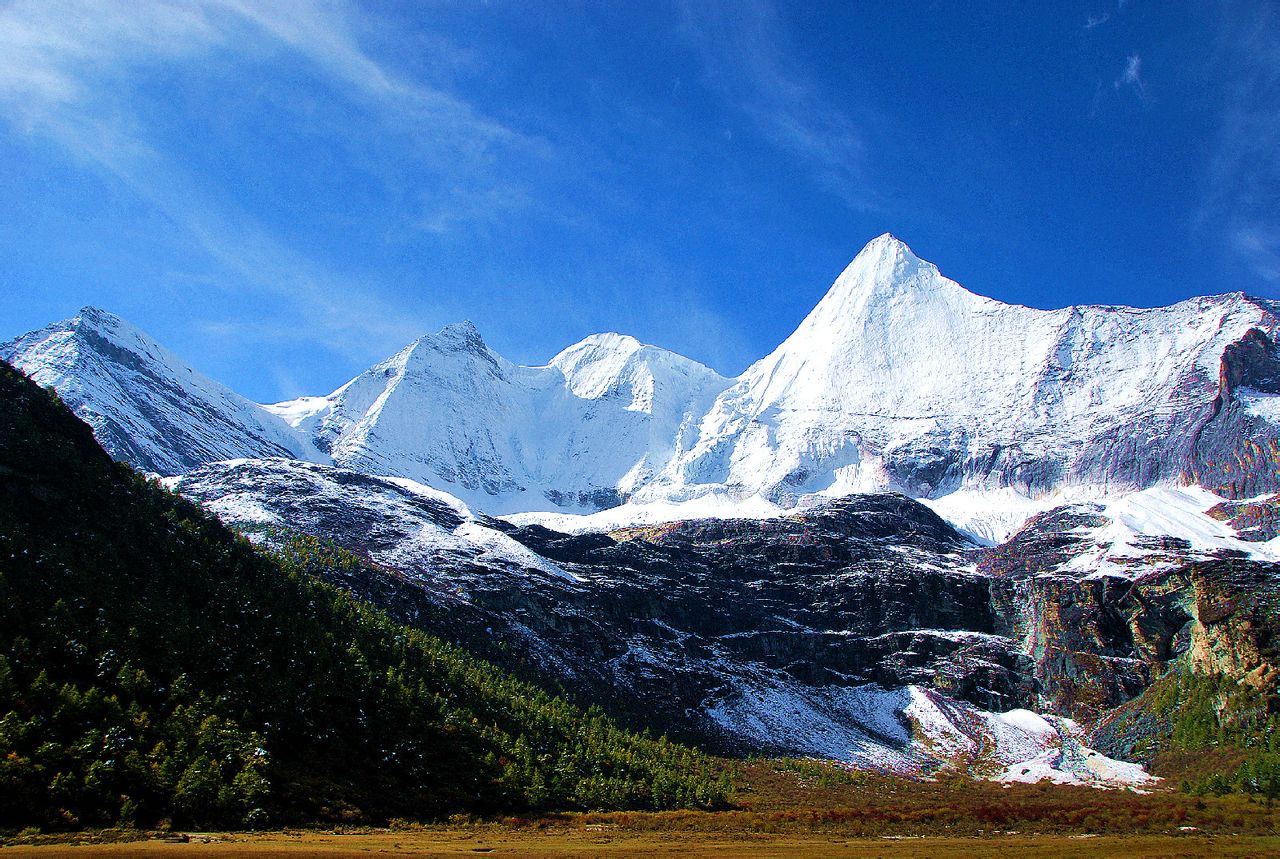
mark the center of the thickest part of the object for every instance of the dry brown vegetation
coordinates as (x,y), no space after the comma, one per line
(792,807)
(785,794)
(563,841)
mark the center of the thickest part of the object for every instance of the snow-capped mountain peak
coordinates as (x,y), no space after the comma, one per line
(93,326)
(881,258)
(621,366)
(463,336)
(886,267)
(902,379)
(106,322)
(898,379)
(885,292)
(596,357)
(577,433)
(145,403)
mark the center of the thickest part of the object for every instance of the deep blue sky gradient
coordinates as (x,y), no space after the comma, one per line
(284,192)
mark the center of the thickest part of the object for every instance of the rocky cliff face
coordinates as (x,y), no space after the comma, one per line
(1096,643)
(853,630)
(1099,636)
(1234,449)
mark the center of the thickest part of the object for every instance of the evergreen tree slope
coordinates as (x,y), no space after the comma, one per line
(154,665)
(1205,731)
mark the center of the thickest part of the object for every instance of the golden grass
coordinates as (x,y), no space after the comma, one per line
(783,808)
(581,842)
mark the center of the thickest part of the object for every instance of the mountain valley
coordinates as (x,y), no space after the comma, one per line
(929,533)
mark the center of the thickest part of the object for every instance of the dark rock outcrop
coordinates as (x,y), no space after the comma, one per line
(666,624)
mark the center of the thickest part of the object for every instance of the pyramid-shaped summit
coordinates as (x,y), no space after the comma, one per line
(886,276)
(898,379)
(902,379)
(145,404)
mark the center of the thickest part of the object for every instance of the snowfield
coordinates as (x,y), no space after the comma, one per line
(916,731)
(144,403)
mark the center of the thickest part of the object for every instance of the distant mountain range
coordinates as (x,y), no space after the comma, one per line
(899,380)
(926,517)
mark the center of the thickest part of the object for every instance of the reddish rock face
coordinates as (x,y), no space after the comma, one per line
(1256,521)
(1231,450)
(1249,362)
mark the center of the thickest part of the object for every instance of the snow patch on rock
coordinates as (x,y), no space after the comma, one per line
(914,731)
(652,513)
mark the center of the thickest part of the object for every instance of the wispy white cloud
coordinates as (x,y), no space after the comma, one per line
(1132,77)
(747,58)
(70,71)
(54,53)
(1241,203)
(1259,242)
(1093,21)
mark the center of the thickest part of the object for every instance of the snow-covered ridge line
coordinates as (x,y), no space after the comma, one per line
(576,434)
(902,379)
(899,380)
(144,403)
(252,493)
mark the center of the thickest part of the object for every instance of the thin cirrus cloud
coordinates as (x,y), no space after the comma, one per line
(1239,203)
(69,70)
(72,52)
(781,101)
(1131,77)
(1093,21)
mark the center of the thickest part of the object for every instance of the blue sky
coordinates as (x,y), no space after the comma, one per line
(285,192)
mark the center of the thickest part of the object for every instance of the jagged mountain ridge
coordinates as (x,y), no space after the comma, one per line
(146,405)
(900,379)
(602,417)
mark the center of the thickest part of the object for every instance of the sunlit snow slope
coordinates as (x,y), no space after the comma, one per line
(902,379)
(579,433)
(899,379)
(144,403)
